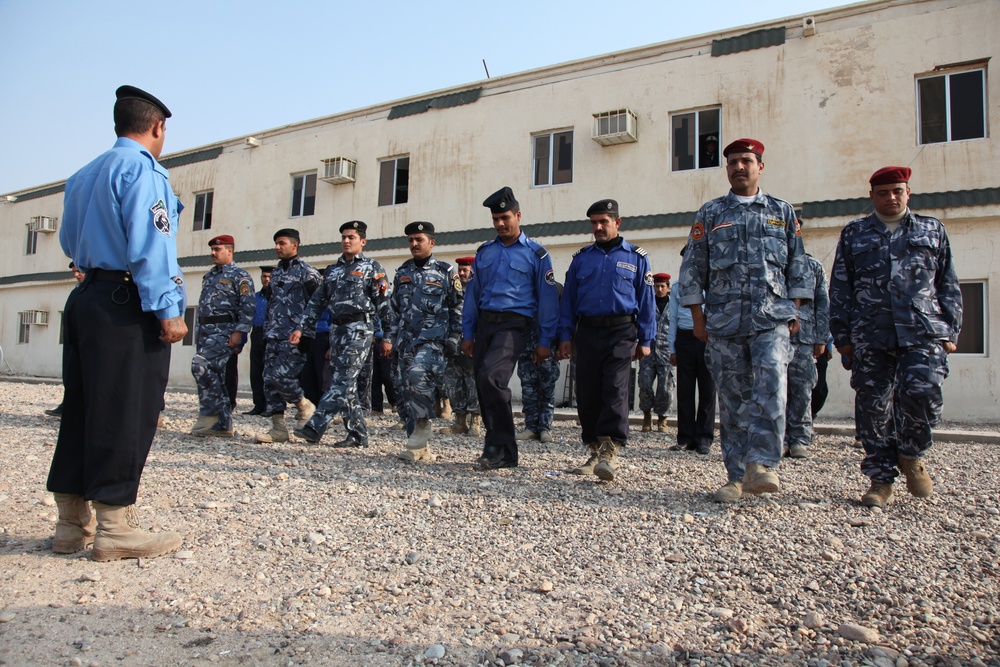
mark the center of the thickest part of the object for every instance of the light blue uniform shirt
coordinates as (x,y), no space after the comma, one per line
(120,214)
(680,316)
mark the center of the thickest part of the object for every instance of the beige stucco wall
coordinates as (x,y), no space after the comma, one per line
(830,108)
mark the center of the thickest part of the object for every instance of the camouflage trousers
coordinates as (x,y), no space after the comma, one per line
(365,378)
(750,375)
(662,375)
(897,403)
(350,345)
(460,379)
(208,366)
(421,370)
(282,369)
(538,389)
(802,376)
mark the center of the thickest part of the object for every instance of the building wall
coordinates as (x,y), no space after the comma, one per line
(830,107)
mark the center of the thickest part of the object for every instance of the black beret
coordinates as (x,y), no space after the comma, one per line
(501,201)
(266,269)
(288,233)
(609,206)
(133,93)
(354,224)
(419,227)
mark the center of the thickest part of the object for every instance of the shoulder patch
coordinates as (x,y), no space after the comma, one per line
(648,278)
(245,289)
(640,251)
(550,277)
(697,231)
(161,219)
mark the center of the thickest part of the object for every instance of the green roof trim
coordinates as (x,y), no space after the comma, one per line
(758,39)
(191,158)
(44,192)
(439,102)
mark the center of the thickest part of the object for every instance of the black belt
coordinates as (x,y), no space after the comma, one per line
(495,316)
(217,319)
(109,276)
(605,322)
(348,319)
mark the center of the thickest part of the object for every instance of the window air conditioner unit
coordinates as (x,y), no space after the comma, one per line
(35,317)
(43,223)
(615,127)
(339,170)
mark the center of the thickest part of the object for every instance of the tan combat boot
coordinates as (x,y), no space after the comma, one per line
(918,482)
(304,410)
(204,424)
(445,408)
(647,421)
(459,427)
(118,535)
(76,526)
(475,428)
(526,434)
(588,467)
(878,494)
(417,446)
(661,424)
(606,455)
(278,432)
(729,493)
(758,478)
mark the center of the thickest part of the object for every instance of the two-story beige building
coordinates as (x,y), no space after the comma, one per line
(833,96)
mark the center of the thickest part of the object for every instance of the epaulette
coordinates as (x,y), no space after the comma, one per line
(483,245)
(581,250)
(541,252)
(640,251)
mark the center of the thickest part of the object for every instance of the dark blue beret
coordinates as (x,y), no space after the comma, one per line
(501,201)
(133,93)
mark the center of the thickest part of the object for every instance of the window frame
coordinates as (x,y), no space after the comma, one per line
(396,190)
(696,113)
(983,324)
(206,218)
(946,73)
(23,332)
(31,242)
(305,202)
(552,150)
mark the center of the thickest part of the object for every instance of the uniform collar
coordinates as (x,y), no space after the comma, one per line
(522,238)
(357,258)
(125,142)
(285,263)
(758,198)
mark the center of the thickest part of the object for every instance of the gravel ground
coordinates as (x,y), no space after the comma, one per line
(301,554)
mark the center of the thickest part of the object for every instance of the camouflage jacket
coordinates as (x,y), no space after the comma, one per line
(749,261)
(897,290)
(814,317)
(226,293)
(292,283)
(426,304)
(355,288)
(660,350)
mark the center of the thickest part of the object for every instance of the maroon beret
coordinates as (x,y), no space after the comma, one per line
(745,146)
(887,175)
(661,277)
(465,261)
(222,239)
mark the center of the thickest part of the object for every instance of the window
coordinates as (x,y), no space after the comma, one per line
(23,332)
(972,339)
(189,322)
(394,181)
(203,211)
(952,107)
(553,158)
(303,195)
(696,139)
(32,245)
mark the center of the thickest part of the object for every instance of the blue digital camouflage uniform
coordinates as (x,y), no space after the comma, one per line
(538,386)
(460,380)
(814,329)
(356,292)
(293,282)
(426,320)
(227,304)
(749,260)
(895,298)
(607,308)
(656,368)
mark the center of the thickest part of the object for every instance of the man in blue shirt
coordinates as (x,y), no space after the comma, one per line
(695,414)
(119,219)
(257,342)
(608,311)
(512,284)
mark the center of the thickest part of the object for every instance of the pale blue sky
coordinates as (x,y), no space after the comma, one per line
(229,68)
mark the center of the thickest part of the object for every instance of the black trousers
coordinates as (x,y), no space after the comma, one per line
(257,342)
(115,372)
(315,377)
(695,425)
(382,379)
(498,345)
(604,361)
(821,390)
(232,377)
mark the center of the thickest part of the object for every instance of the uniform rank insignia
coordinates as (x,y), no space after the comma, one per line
(774,222)
(697,231)
(550,277)
(722,225)
(161,220)
(648,278)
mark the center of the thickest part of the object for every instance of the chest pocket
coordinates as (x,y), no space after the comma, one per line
(775,245)
(624,280)
(923,249)
(520,272)
(869,255)
(723,248)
